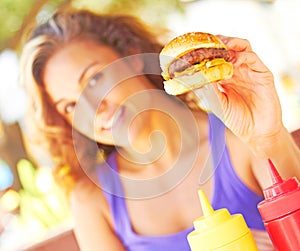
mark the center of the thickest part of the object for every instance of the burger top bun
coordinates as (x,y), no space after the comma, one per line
(185,43)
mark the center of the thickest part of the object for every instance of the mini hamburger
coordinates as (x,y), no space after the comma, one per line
(193,60)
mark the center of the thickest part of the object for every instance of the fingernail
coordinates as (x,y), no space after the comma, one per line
(232,56)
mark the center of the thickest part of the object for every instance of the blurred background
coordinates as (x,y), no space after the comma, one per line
(34,210)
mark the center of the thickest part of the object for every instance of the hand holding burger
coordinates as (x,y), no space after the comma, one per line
(242,87)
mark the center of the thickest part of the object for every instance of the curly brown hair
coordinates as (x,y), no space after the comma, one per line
(125,34)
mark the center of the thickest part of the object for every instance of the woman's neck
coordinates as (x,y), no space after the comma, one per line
(167,138)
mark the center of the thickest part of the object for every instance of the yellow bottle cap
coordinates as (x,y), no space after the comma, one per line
(217,228)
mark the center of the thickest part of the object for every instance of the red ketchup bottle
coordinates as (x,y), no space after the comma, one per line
(280,211)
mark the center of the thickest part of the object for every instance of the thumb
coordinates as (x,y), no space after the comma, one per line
(211,99)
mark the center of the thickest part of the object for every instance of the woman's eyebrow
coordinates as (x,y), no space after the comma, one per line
(85,70)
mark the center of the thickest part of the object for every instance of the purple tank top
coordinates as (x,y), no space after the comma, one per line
(229,192)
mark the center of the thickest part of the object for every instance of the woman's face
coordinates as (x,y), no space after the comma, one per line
(97,93)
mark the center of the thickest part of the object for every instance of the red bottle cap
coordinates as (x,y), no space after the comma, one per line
(282,198)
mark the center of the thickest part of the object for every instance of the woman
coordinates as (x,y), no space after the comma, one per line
(93,82)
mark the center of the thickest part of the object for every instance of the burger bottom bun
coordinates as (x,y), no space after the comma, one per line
(185,83)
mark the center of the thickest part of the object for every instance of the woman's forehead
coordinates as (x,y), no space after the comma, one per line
(83,49)
(76,55)
(67,66)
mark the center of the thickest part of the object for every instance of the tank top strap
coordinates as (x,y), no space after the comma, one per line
(216,138)
(229,190)
(217,147)
(113,190)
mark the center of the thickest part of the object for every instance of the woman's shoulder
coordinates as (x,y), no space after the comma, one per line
(88,195)
(93,223)
(84,189)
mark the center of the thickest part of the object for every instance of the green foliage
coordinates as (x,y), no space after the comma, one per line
(46,203)
(32,207)
(27,176)
(15,15)
(12,14)
(151,11)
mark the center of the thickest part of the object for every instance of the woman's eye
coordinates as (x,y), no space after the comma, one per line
(70,107)
(95,79)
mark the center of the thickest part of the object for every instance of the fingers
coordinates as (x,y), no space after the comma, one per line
(251,60)
(223,38)
(236,44)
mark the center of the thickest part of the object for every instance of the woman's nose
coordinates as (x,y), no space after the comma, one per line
(102,106)
(106,110)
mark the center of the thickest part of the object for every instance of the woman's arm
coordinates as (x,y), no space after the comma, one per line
(285,155)
(251,109)
(92,220)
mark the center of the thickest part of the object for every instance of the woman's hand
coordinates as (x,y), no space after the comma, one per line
(249,103)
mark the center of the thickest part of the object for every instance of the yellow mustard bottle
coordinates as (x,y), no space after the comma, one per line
(217,230)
